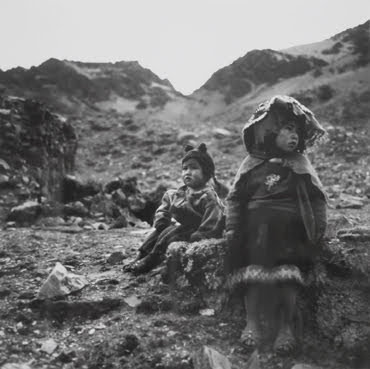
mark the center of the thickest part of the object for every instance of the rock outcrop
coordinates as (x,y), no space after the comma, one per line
(334,304)
(37,149)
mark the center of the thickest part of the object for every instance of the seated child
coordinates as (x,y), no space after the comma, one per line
(195,206)
(275,216)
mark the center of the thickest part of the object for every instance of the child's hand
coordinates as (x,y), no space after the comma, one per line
(230,236)
(194,237)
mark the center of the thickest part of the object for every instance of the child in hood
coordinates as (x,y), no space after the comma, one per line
(275,216)
(195,207)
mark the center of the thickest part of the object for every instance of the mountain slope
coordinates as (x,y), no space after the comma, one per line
(255,68)
(325,73)
(128,119)
(74,86)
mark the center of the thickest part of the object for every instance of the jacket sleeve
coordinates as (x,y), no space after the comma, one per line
(162,217)
(213,220)
(234,204)
(319,209)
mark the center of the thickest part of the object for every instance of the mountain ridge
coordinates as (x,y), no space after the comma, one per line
(127,117)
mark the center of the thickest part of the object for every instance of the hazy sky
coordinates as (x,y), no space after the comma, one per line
(182,40)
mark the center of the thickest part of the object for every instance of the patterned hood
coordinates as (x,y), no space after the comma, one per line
(272,113)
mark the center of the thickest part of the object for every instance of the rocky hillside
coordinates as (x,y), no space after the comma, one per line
(128,120)
(72,87)
(37,149)
(333,71)
(258,67)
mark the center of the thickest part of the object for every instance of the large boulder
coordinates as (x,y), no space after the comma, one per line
(74,189)
(198,267)
(25,213)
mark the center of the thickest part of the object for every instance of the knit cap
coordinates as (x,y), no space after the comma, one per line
(201,155)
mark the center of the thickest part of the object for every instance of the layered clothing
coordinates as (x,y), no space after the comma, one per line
(185,215)
(276,209)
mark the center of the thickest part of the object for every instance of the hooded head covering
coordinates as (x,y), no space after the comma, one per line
(201,155)
(272,114)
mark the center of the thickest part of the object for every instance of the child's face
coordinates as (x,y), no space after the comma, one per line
(287,139)
(192,174)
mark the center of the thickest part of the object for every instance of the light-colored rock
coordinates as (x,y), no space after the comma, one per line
(305,366)
(350,202)
(5,112)
(49,346)
(185,136)
(221,133)
(100,226)
(4,179)
(61,282)
(26,212)
(77,209)
(4,164)
(16,366)
(52,221)
(209,358)
(355,234)
(207,312)
(132,301)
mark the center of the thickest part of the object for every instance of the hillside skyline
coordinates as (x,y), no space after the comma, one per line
(185,43)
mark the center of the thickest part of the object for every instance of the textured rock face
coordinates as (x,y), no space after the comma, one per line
(37,149)
(200,266)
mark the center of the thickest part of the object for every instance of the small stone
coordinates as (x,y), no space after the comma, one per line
(4,112)
(207,312)
(221,133)
(209,358)
(185,136)
(350,202)
(355,234)
(49,346)
(61,282)
(99,226)
(66,356)
(16,366)
(4,292)
(116,257)
(128,344)
(4,180)
(132,301)
(28,212)
(100,326)
(10,224)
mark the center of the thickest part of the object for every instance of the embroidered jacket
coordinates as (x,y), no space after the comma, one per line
(311,196)
(201,211)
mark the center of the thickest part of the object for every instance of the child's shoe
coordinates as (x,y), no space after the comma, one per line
(250,337)
(285,343)
(145,264)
